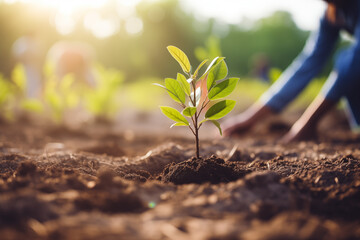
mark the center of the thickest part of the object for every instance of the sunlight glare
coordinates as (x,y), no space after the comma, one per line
(64,23)
(67,6)
(125,11)
(99,26)
(133,25)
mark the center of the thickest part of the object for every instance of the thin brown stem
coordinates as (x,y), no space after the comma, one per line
(192,130)
(195,122)
(182,105)
(197,139)
(203,107)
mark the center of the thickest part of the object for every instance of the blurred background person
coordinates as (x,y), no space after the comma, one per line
(260,67)
(344,81)
(70,57)
(26,50)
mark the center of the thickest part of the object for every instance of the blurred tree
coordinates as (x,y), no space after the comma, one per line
(160,23)
(276,36)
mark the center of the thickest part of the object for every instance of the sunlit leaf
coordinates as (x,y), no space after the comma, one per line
(214,61)
(182,80)
(159,85)
(178,124)
(217,124)
(220,109)
(204,120)
(199,67)
(19,77)
(180,57)
(189,111)
(223,89)
(171,93)
(176,92)
(32,105)
(218,72)
(173,114)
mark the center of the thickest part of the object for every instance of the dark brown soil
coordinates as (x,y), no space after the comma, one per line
(198,170)
(100,182)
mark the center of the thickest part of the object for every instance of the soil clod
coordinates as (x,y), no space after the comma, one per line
(198,170)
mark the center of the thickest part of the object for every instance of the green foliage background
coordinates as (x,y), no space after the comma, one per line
(127,64)
(144,55)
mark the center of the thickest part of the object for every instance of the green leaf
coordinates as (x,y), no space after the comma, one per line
(199,67)
(159,85)
(218,72)
(174,114)
(217,124)
(189,111)
(182,80)
(175,90)
(204,120)
(223,89)
(180,57)
(220,109)
(178,124)
(172,94)
(214,61)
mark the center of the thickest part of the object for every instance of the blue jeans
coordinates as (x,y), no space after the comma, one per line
(343,82)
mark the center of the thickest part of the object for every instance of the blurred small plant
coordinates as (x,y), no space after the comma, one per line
(6,96)
(101,101)
(211,50)
(61,95)
(27,103)
(19,78)
(183,88)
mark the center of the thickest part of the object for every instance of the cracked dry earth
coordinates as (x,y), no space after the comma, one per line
(97,183)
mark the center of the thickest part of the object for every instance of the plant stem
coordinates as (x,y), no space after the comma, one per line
(195,121)
(192,130)
(197,139)
(203,106)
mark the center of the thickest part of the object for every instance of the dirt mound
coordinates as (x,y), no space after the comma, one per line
(110,149)
(198,170)
(253,189)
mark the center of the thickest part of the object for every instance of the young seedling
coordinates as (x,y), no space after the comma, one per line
(186,92)
(102,100)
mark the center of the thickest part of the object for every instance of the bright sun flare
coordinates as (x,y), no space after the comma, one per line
(68,6)
(71,6)
(65,18)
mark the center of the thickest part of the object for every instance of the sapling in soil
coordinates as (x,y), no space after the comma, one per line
(195,92)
